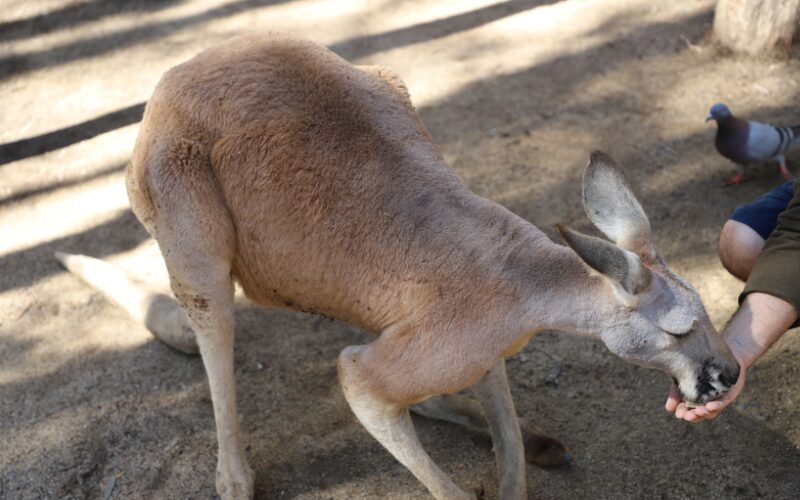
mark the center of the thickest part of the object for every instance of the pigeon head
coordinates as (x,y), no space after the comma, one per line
(719,112)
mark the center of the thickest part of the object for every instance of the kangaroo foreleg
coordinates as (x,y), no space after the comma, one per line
(495,397)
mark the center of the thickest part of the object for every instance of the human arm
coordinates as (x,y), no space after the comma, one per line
(759,322)
(769,306)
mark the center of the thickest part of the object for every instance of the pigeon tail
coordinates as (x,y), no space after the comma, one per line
(795,135)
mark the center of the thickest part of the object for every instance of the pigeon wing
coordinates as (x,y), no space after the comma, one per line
(766,141)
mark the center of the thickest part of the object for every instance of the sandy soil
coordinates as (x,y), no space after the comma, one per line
(517,93)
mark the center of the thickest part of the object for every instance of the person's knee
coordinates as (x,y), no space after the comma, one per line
(739,247)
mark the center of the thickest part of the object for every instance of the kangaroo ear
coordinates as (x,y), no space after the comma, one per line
(620,267)
(613,208)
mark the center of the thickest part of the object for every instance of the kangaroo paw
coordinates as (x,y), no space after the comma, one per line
(541,449)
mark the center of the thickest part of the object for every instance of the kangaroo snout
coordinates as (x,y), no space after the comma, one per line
(729,376)
(714,380)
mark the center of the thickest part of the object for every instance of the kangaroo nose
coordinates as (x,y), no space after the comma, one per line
(729,375)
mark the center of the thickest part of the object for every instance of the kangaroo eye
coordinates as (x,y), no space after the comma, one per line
(678,333)
(677,327)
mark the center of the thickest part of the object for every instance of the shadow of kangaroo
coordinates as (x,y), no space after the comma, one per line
(314,183)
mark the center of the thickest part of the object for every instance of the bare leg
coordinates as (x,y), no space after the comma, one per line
(739,247)
(540,449)
(494,395)
(392,427)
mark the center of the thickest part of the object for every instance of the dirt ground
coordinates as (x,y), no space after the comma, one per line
(517,93)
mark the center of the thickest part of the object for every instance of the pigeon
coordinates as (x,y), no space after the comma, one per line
(744,141)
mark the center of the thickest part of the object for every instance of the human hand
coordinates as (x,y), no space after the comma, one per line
(760,320)
(710,410)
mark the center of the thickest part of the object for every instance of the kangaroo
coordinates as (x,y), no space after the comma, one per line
(315,185)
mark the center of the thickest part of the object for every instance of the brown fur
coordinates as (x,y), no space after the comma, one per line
(315,184)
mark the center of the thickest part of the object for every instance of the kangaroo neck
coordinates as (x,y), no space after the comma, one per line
(565,295)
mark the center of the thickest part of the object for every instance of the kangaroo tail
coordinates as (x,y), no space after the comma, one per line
(160,313)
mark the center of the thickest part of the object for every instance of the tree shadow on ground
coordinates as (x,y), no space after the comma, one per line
(75,15)
(26,267)
(44,143)
(18,64)
(103,415)
(356,48)
(20,196)
(693,209)
(352,48)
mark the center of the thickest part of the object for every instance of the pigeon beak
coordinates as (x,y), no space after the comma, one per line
(709,117)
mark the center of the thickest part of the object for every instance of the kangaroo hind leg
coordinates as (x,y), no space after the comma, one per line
(197,239)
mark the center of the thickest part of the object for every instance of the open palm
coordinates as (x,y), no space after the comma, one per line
(707,412)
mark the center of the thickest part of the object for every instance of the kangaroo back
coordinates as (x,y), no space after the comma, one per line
(339,198)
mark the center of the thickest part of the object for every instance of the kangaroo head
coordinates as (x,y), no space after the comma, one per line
(659,320)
